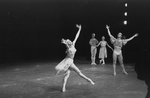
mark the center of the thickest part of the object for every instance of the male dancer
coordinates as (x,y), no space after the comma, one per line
(117,53)
(93,42)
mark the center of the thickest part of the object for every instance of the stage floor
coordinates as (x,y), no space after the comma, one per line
(38,80)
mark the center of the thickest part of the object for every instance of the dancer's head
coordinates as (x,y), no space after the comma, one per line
(103,37)
(69,42)
(119,35)
(93,35)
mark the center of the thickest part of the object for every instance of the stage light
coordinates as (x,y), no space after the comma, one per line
(125,13)
(126,4)
(125,22)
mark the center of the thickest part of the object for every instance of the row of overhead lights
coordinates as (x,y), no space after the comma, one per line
(125,14)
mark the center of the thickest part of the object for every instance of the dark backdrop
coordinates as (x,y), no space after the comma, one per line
(32,29)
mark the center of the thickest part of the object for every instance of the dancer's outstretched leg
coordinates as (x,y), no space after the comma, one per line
(121,63)
(67,74)
(76,69)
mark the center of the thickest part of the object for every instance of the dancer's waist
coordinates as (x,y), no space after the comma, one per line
(117,47)
(70,57)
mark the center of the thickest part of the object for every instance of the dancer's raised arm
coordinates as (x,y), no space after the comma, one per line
(129,39)
(77,35)
(135,35)
(107,27)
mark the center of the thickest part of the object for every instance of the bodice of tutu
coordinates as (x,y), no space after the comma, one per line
(71,52)
(103,43)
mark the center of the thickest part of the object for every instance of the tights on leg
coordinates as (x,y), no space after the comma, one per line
(93,54)
(120,57)
(114,63)
(65,80)
(73,67)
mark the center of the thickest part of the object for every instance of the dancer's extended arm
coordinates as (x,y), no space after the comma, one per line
(135,35)
(129,39)
(77,35)
(99,43)
(107,27)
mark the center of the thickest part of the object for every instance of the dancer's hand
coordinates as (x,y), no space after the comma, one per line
(136,35)
(107,27)
(78,26)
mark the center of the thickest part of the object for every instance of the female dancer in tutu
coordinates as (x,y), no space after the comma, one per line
(117,53)
(103,50)
(67,65)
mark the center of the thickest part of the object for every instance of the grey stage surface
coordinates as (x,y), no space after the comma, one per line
(38,80)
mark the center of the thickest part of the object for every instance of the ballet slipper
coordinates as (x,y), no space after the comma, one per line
(125,72)
(63,90)
(114,73)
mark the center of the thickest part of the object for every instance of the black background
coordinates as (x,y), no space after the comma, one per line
(33,29)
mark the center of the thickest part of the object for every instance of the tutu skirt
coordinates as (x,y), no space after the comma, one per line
(64,65)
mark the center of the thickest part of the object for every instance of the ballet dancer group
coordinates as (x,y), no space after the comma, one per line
(67,65)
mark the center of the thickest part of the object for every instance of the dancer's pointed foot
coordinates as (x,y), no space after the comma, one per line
(89,80)
(125,72)
(114,73)
(92,82)
(63,90)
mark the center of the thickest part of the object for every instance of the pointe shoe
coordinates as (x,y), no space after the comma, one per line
(125,72)
(63,90)
(92,83)
(89,80)
(114,73)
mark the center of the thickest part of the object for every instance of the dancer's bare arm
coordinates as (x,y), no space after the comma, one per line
(99,43)
(109,46)
(77,35)
(135,35)
(111,36)
(129,39)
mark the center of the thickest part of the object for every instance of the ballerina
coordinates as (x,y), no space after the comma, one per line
(103,50)
(67,65)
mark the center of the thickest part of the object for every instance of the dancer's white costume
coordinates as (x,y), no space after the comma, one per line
(68,61)
(103,50)
(67,64)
